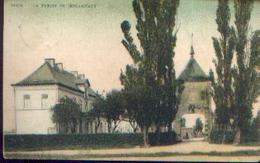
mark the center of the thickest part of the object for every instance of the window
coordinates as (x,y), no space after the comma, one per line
(81,104)
(26,101)
(44,101)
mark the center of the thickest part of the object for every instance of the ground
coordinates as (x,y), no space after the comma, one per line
(196,150)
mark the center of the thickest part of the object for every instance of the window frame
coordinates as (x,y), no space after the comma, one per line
(44,101)
(26,101)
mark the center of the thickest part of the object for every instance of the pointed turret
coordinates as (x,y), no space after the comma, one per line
(192,51)
(193,71)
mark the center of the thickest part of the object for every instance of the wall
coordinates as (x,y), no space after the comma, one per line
(192,95)
(37,120)
(34,119)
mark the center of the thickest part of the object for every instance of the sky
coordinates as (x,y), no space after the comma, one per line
(89,39)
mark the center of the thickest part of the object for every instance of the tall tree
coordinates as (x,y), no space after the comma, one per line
(138,96)
(67,114)
(223,92)
(97,112)
(110,107)
(115,107)
(244,73)
(154,64)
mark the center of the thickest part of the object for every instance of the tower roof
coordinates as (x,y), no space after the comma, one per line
(193,72)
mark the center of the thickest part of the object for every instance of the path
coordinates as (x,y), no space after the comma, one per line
(184,147)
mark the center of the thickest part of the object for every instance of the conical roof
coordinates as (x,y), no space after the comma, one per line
(193,72)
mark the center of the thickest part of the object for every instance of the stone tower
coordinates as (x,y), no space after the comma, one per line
(195,97)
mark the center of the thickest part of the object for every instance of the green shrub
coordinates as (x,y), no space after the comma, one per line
(250,136)
(25,142)
(65,141)
(165,138)
(216,136)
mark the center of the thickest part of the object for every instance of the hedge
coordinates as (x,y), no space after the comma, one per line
(30,142)
(216,136)
(252,136)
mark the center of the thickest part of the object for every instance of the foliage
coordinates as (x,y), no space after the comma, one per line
(98,110)
(32,142)
(216,136)
(252,134)
(183,122)
(223,93)
(198,126)
(235,85)
(151,80)
(115,107)
(59,141)
(67,114)
(111,108)
(244,73)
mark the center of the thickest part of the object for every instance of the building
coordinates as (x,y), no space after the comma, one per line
(195,98)
(41,90)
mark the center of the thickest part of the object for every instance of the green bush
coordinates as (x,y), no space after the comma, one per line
(250,136)
(165,138)
(70,141)
(216,136)
(25,142)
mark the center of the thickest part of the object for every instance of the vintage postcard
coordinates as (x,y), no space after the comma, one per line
(161,80)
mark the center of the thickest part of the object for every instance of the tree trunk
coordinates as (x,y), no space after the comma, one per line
(169,127)
(145,136)
(109,127)
(133,125)
(80,126)
(158,133)
(237,138)
(224,135)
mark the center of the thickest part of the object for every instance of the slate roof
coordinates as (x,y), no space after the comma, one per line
(46,74)
(193,72)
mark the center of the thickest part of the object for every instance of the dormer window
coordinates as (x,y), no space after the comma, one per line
(26,101)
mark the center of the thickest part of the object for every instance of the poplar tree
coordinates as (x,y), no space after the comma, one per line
(223,92)
(151,80)
(244,73)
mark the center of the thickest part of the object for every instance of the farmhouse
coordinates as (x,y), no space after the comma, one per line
(40,91)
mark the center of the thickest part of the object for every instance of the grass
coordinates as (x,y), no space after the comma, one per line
(158,154)
(76,147)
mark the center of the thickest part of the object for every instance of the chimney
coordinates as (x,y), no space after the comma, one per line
(75,73)
(81,76)
(51,61)
(60,66)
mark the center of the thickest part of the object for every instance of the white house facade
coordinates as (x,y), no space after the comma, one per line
(40,91)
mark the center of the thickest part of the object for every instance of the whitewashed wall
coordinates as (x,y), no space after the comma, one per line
(34,120)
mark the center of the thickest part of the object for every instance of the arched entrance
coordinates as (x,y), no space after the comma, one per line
(192,126)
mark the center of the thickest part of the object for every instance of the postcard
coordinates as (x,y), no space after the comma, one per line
(164,80)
